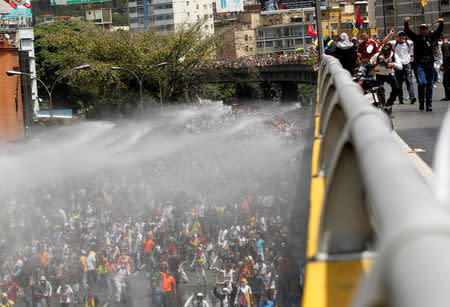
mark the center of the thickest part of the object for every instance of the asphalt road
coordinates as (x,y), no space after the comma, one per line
(420,129)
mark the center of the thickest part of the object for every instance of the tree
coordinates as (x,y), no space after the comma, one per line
(69,43)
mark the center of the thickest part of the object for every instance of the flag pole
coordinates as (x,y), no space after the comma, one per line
(319,29)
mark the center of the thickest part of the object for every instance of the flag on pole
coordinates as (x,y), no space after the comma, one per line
(313,33)
(358,24)
(424,2)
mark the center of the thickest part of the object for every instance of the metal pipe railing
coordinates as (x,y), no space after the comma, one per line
(412,267)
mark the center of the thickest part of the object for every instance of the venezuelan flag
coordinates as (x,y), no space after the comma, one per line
(313,33)
(358,24)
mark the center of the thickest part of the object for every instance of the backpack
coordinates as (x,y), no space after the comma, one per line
(406,41)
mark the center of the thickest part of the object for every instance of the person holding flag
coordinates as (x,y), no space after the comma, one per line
(358,24)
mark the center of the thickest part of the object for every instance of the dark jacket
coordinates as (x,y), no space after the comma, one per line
(347,57)
(423,46)
(446,54)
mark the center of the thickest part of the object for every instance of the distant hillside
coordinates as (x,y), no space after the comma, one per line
(118,7)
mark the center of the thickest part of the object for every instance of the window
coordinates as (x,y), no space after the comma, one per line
(197,6)
(444,2)
(246,48)
(250,38)
(259,45)
(206,27)
(246,37)
(296,19)
(346,26)
(251,48)
(205,6)
(334,26)
(187,3)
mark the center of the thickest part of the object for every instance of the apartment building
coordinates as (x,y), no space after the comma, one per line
(284,30)
(166,15)
(340,16)
(390,14)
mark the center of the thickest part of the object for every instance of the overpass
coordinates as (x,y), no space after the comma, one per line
(375,235)
(287,75)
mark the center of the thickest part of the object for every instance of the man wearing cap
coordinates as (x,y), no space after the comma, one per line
(403,49)
(424,43)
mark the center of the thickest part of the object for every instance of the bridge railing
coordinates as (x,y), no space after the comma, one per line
(369,204)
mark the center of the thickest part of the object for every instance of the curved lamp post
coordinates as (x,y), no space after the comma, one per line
(49,92)
(141,79)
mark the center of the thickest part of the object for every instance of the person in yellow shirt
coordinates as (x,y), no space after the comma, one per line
(44,260)
(83,269)
(5,302)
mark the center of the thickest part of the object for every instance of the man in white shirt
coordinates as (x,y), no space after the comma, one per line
(403,50)
(384,63)
(91,264)
(64,292)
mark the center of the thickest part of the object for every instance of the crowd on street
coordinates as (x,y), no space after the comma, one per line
(83,242)
(402,56)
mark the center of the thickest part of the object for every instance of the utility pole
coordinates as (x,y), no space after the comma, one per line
(319,29)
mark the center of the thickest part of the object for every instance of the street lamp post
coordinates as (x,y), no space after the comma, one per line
(141,79)
(49,92)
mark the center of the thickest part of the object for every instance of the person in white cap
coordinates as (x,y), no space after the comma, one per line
(199,301)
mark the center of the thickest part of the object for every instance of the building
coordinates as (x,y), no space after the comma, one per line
(240,28)
(390,14)
(168,15)
(11,111)
(100,17)
(23,39)
(49,19)
(340,16)
(284,30)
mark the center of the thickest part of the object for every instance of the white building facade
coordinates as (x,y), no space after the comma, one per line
(166,15)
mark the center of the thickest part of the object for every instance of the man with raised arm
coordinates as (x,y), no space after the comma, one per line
(424,43)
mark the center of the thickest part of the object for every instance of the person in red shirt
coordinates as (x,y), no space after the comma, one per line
(11,288)
(366,49)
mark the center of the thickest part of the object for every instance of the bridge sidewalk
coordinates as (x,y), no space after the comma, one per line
(420,129)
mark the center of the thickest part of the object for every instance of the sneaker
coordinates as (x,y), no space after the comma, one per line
(421,107)
(445,99)
(413,100)
(429,109)
(401,102)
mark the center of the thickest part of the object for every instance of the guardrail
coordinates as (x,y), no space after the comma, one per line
(368,203)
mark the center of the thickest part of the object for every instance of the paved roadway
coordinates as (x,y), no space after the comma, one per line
(420,129)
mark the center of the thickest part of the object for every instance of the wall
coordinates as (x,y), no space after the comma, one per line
(245,42)
(11,113)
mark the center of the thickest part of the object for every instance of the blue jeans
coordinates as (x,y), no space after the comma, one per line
(425,74)
(405,75)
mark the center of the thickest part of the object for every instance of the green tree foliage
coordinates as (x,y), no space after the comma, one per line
(67,44)
(306,92)
(119,19)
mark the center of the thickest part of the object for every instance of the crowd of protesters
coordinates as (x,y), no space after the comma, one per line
(264,60)
(399,58)
(78,239)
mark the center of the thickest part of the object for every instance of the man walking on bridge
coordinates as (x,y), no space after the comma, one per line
(424,44)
